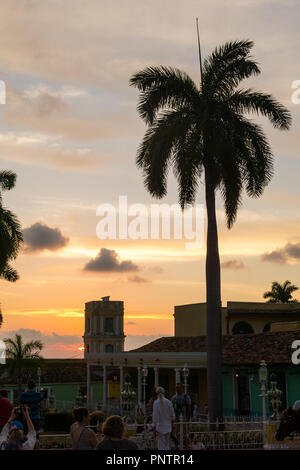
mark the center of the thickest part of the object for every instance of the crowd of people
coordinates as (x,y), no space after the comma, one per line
(20,426)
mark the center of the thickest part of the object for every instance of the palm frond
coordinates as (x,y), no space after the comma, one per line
(163,88)
(158,146)
(188,164)
(251,101)
(7,180)
(226,66)
(8,273)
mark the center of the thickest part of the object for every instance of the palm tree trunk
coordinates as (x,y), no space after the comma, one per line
(213,307)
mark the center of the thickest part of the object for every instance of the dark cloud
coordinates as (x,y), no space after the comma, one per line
(107,261)
(293,250)
(130,323)
(139,279)
(156,270)
(29,334)
(233,264)
(276,256)
(39,237)
(290,252)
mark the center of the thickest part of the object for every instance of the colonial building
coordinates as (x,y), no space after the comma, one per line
(251,333)
(237,317)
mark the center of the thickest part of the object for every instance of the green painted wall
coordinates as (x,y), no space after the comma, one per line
(68,392)
(64,391)
(227,390)
(255,392)
(97,392)
(293,384)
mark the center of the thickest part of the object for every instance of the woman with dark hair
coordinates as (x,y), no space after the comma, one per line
(82,437)
(114,432)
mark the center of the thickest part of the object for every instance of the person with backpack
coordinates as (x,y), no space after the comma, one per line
(12,435)
(182,403)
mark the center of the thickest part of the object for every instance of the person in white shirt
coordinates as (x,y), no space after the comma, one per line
(296,405)
(163,417)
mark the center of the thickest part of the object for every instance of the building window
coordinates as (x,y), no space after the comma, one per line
(109,325)
(109,348)
(241,328)
(88,325)
(87,348)
(267,328)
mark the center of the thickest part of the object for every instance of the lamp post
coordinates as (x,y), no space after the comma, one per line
(79,398)
(144,374)
(274,395)
(128,397)
(39,373)
(263,375)
(186,372)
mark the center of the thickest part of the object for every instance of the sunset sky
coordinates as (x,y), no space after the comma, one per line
(70,130)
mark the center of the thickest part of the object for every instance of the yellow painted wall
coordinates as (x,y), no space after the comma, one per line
(114,390)
(190,320)
(286,326)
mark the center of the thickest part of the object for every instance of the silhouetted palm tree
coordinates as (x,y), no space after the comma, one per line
(281,293)
(21,357)
(10,231)
(203,131)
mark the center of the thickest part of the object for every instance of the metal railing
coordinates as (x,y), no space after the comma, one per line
(68,405)
(197,435)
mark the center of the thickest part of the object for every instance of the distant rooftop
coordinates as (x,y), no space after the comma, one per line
(274,347)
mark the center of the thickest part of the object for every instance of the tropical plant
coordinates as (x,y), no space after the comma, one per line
(204,131)
(281,293)
(22,357)
(10,231)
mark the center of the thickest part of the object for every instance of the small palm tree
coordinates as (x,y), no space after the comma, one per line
(10,231)
(205,131)
(281,293)
(22,357)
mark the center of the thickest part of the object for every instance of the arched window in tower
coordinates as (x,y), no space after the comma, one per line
(267,328)
(109,325)
(241,328)
(109,348)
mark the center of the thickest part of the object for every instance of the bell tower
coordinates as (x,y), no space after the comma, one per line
(104,327)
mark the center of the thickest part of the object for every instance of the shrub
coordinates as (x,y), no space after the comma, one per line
(58,422)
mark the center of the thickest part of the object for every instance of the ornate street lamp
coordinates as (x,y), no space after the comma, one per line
(52,401)
(128,397)
(79,398)
(263,376)
(274,395)
(185,372)
(144,374)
